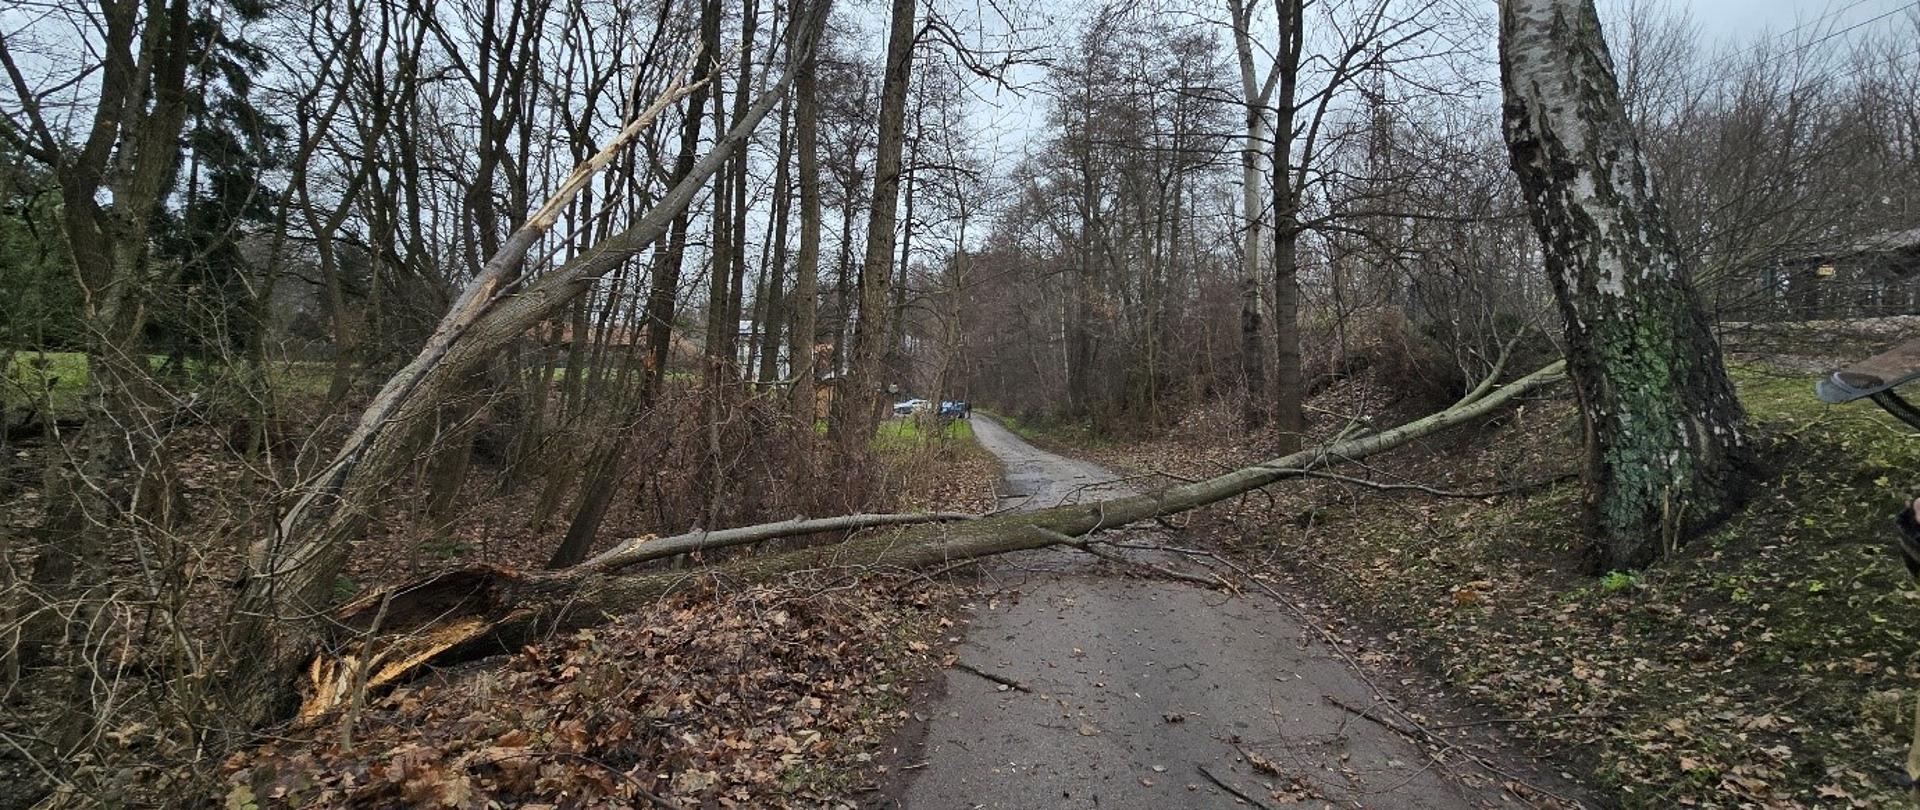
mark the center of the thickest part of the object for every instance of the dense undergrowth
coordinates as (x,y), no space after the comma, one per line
(153,747)
(1770,664)
(729,695)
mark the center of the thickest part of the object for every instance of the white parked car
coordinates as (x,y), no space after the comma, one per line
(911,406)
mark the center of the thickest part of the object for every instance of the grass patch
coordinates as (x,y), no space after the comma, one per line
(55,380)
(58,380)
(1734,673)
(930,464)
(913,433)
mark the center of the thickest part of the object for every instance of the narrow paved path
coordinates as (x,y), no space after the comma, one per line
(1139,684)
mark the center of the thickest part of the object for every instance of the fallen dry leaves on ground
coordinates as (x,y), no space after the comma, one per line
(724,696)
(772,695)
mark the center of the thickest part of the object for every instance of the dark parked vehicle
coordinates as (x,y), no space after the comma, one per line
(954,409)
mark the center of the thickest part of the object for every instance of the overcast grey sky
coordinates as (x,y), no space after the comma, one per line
(1746,19)
(1009,122)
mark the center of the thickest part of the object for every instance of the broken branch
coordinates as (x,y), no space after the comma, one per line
(642,549)
(1437,492)
(1241,795)
(1002,680)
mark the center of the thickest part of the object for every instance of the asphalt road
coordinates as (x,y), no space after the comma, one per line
(1138,685)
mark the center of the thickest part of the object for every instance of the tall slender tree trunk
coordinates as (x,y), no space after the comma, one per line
(1081,286)
(856,409)
(719,337)
(1668,451)
(806,270)
(891,361)
(1289,381)
(842,283)
(663,294)
(1080,348)
(721,328)
(1253,354)
(1254,95)
(450,455)
(737,269)
(773,310)
(596,492)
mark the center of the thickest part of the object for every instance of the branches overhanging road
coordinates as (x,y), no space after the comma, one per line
(469,612)
(1138,684)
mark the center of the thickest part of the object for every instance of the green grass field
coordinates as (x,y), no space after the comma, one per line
(58,380)
(55,379)
(910,433)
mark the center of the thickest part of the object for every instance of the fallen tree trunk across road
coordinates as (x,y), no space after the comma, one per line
(643,549)
(478,610)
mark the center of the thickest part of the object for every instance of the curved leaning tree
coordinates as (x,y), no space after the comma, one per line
(288,591)
(1668,451)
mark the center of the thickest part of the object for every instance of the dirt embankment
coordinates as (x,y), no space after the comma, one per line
(1771,664)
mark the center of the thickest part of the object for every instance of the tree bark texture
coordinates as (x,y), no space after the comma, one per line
(1668,451)
(1254,96)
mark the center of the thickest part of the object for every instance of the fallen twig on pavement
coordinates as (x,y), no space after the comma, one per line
(999,679)
(1231,789)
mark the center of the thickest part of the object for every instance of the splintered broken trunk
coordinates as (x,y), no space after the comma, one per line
(1668,451)
(381,638)
(295,566)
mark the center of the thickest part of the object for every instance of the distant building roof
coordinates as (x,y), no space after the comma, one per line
(1894,245)
(1887,242)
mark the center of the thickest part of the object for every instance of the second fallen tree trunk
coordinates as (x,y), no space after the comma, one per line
(479,610)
